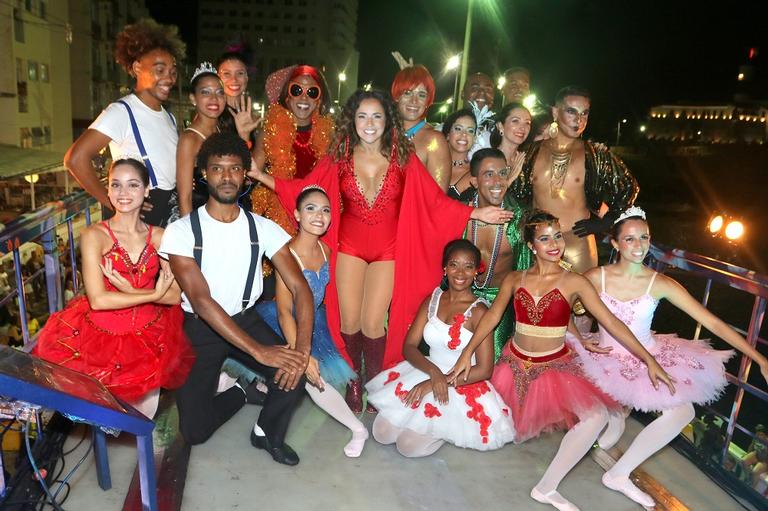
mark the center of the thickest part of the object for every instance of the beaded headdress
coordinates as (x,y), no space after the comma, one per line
(631,212)
(204,67)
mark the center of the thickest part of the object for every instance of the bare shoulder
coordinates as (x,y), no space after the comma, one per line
(96,235)
(593,275)
(157,236)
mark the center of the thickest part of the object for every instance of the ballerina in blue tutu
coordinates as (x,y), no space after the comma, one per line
(327,370)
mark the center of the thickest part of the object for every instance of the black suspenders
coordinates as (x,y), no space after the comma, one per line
(194,218)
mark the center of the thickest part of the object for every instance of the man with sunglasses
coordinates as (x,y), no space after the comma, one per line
(296,134)
(572,179)
(501,246)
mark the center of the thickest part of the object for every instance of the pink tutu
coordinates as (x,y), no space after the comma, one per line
(698,371)
(546,393)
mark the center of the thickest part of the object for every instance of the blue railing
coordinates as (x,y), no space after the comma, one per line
(43,226)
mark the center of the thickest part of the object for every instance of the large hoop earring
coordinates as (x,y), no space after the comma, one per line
(553,129)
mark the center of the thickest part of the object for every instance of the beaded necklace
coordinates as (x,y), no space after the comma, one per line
(494,251)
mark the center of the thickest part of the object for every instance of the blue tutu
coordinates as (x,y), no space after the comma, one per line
(333,368)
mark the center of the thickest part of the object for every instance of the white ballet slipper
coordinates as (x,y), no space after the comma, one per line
(554,499)
(627,487)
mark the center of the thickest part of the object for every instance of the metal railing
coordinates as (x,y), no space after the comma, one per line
(741,279)
(42,226)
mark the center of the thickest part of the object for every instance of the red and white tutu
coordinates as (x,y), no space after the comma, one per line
(698,371)
(475,417)
(546,393)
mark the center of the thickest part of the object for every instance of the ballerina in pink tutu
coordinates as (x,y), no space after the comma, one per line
(538,375)
(632,291)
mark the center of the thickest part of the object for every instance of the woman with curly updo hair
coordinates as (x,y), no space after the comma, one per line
(387,244)
(137,125)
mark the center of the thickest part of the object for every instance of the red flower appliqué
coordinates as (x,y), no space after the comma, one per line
(455,331)
(402,394)
(477,412)
(392,376)
(481,267)
(431,410)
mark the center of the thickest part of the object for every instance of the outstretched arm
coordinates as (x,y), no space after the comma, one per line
(199,295)
(680,298)
(484,328)
(618,330)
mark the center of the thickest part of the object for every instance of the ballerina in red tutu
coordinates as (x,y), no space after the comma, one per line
(126,332)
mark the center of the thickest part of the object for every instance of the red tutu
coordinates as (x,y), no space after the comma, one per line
(546,393)
(132,350)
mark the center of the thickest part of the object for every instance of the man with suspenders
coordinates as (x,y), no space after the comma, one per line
(215,254)
(137,125)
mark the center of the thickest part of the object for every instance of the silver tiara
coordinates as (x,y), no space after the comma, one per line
(633,211)
(204,67)
(314,187)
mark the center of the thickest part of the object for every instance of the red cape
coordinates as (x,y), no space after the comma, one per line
(428,220)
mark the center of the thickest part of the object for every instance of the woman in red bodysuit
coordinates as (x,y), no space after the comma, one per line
(126,332)
(390,234)
(537,375)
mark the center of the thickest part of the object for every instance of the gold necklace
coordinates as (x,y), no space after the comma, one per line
(558,171)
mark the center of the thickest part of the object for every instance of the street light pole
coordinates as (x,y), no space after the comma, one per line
(618,129)
(465,53)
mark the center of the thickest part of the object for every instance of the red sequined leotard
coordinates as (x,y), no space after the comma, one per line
(368,231)
(545,316)
(131,350)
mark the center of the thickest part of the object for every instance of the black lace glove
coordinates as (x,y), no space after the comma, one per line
(594,225)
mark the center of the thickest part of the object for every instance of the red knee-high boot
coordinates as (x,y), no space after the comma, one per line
(374,356)
(354,347)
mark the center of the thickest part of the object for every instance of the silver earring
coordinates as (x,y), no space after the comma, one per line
(534,251)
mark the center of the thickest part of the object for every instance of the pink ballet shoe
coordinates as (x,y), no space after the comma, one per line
(554,499)
(625,486)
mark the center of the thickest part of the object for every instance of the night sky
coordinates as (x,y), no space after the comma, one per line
(631,54)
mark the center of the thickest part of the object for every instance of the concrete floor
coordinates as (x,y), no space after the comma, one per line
(227,473)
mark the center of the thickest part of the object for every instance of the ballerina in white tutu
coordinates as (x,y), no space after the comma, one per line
(632,291)
(418,410)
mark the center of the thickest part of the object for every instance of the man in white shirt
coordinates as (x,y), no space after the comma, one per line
(137,125)
(215,254)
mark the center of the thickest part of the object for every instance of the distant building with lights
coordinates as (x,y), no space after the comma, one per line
(282,33)
(709,124)
(742,120)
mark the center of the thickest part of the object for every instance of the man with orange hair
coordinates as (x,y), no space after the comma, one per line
(413,89)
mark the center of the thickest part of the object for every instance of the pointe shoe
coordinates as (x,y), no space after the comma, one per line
(354,448)
(554,499)
(625,486)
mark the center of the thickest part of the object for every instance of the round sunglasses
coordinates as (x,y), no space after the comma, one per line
(297,90)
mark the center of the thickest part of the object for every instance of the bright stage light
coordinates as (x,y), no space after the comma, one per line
(453,62)
(529,101)
(734,230)
(715,224)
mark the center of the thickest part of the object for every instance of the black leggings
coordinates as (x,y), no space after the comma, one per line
(201,411)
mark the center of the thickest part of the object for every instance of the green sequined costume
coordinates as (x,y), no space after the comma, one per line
(522,256)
